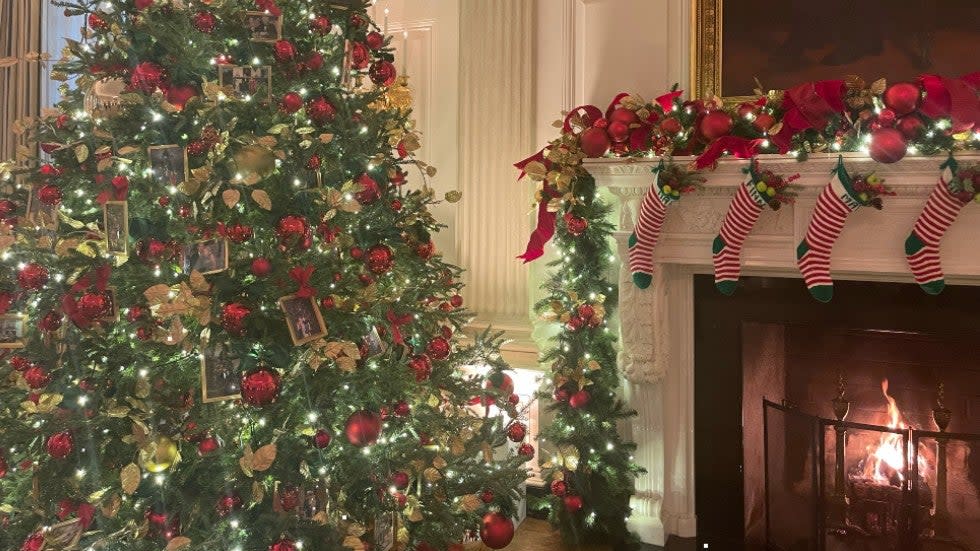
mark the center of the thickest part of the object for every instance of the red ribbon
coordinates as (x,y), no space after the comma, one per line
(742,148)
(269,6)
(98,278)
(6,299)
(809,105)
(396,322)
(301,275)
(545,228)
(666,101)
(952,97)
(539,157)
(119,191)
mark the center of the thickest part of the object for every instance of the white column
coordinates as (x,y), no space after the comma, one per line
(496,125)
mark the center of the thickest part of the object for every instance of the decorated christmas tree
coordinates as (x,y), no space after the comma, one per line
(224,325)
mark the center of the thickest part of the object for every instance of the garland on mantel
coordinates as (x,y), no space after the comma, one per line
(591,484)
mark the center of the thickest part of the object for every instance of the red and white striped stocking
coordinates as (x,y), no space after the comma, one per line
(645,235)
(741,217)
(835,203)
(922,245)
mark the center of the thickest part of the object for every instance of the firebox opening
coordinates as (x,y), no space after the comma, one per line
(889,350)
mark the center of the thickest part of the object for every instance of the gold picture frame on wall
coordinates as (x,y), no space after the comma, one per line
(739,47)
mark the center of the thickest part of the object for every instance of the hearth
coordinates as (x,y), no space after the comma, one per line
(849,425)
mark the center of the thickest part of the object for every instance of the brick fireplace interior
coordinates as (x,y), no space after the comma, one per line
(773,341)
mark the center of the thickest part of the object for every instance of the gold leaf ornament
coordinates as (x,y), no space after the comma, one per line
(129,478)
(231,197)
(178,543)
(262,199)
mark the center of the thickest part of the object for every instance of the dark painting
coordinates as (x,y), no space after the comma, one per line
(786,43)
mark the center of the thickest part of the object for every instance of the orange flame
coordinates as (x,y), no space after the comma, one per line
(885,463)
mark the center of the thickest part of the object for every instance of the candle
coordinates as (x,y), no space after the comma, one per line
(405,52)
(386,21)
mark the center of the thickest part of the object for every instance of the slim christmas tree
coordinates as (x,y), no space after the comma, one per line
(223,321)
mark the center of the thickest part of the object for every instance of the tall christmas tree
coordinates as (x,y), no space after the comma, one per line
(224,324)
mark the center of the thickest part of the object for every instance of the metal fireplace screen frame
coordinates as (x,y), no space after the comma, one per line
(828,513)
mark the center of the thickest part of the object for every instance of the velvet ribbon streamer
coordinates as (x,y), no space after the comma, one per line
(301,275)
(809,105)
(955,98)
(742,148)
(396,322)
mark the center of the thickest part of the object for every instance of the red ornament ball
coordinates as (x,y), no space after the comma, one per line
(147,77)
(619,131)
(383,72)
(96,22)
(425,250)
(360,56)
(887,145)
(496,530)
(486,496)
(594,142)
(320,110)
(715,124)
(60,445)
(580,399)
(439,348)
(261,267)
(421,366)
(93,305)
(233,317)
(293,230)
(369,192)
(910,126)
(291,102)
(573,504)
(49,194)
(321,24)
(288,496)
(576,225)
(902,97)
(283,544)
(36,377)
(314,61)
(517,432)
(363,428)
(260,387)
(32,277)
(375,40)
(205,21)
(763,122)
(228,503)
(7,207)
(525,450)
(380,259)
(559,488)
(50,322)
(622,114)
(399,479)
(207,445)
(284,51)
(886,117)
(321,439)
(670,126)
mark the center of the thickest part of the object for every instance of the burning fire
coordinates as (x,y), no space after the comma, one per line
(886,460)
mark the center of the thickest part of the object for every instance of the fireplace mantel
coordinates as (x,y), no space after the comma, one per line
(657,324)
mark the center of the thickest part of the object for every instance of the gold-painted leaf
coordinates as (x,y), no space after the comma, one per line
(130,478)
(471,502)
(81,153)
(454,196)
(878,86)
(262,199)
(127,150)
(258,492)
(264,457)
(110,508)
(178,543)
(231,197)
(432,474)
(439,462)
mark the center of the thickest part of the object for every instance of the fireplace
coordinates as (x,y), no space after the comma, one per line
(663,357)
(853,425)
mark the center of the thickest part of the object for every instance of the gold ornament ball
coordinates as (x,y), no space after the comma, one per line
(159,455)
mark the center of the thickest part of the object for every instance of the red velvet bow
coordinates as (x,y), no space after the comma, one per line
(97,278)
(119,191)
(666,101)
(396,322)
(955,98)
(742,148)
(545,228)
(301,275)
(809,105)
(588,113)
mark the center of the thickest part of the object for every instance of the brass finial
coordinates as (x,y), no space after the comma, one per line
(941,414)
(840,404)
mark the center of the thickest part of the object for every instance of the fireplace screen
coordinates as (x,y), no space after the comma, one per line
(832,484)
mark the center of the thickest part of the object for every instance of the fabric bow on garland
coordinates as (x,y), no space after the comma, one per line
(396,322)
(301,275)
(97,280)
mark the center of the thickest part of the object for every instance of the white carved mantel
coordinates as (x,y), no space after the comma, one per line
(657,324)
